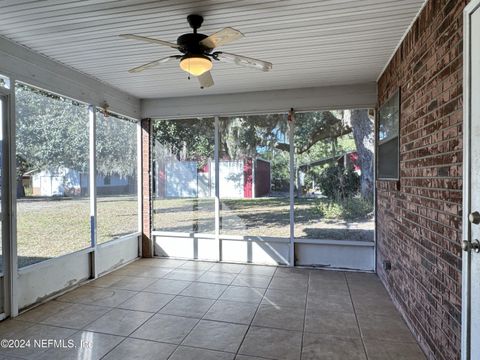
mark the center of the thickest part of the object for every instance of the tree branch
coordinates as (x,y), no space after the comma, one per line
(327,127)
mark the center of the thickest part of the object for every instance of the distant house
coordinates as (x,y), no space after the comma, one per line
(68,182)
(248,178)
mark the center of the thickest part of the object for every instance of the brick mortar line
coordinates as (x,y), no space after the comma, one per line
(431,220)
(428,282)
(436,143)
(436,210)
(445,91)
(430,188)
(405,210)
(408,58)
(438,190)
(379,190)
(413,325)
(416,225)
(444,74)
(443,261)
(430,133)
(440,154)
(438,326)
(435,310)
(434,77)
(439,177)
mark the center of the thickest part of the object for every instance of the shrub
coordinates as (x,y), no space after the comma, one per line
(337,182)
(346,209)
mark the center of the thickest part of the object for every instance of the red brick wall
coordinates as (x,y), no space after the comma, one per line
(419,219)
(147,242)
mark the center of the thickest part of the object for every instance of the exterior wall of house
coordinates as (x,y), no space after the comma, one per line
(248,178)
(419,217)
(185,179)
(68,182)
(262,181)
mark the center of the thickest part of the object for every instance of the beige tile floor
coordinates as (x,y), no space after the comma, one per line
(185,310)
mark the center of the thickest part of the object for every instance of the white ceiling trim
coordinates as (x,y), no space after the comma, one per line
(359,96)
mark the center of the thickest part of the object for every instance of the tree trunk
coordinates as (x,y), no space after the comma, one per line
(363,134)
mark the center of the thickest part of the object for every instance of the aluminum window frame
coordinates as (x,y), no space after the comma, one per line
(377,140)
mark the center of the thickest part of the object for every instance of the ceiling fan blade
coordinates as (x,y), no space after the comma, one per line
(152,64)
(205,80)
(221,37)
(242,60)
(150,40)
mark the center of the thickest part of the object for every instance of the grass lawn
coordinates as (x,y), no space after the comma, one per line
(50,228)
(314,218)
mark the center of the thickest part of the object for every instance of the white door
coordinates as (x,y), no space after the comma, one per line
(471,207)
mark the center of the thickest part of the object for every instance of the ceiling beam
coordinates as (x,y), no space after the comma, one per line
(355,96)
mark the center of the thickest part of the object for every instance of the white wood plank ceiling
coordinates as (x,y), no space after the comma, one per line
(310,42)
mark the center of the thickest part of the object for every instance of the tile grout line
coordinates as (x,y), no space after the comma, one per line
(356,317)
(152,314)
(174,297)
(198,322)
(236,276)
(255,314)
(76,331)
(305,315)
(138,327)
(143,323)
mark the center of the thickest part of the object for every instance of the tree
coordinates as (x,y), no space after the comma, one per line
(116,147)
(312,128)
(52,133)
(266,135)
(191,139)
(315,131)
(363,133)
(246,136)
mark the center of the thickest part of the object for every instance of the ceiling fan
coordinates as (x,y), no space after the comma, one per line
(197,50)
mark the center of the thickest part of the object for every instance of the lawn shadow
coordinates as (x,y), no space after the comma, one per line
(337,234)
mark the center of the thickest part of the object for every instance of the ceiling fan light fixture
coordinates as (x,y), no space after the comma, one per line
(195,65)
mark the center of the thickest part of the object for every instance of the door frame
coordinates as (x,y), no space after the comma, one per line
(9,252)
(473,6)
(4,269)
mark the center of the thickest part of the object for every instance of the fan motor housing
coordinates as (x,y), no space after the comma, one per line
(190,43)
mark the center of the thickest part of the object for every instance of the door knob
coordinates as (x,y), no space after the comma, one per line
(474,217)
(468,245)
